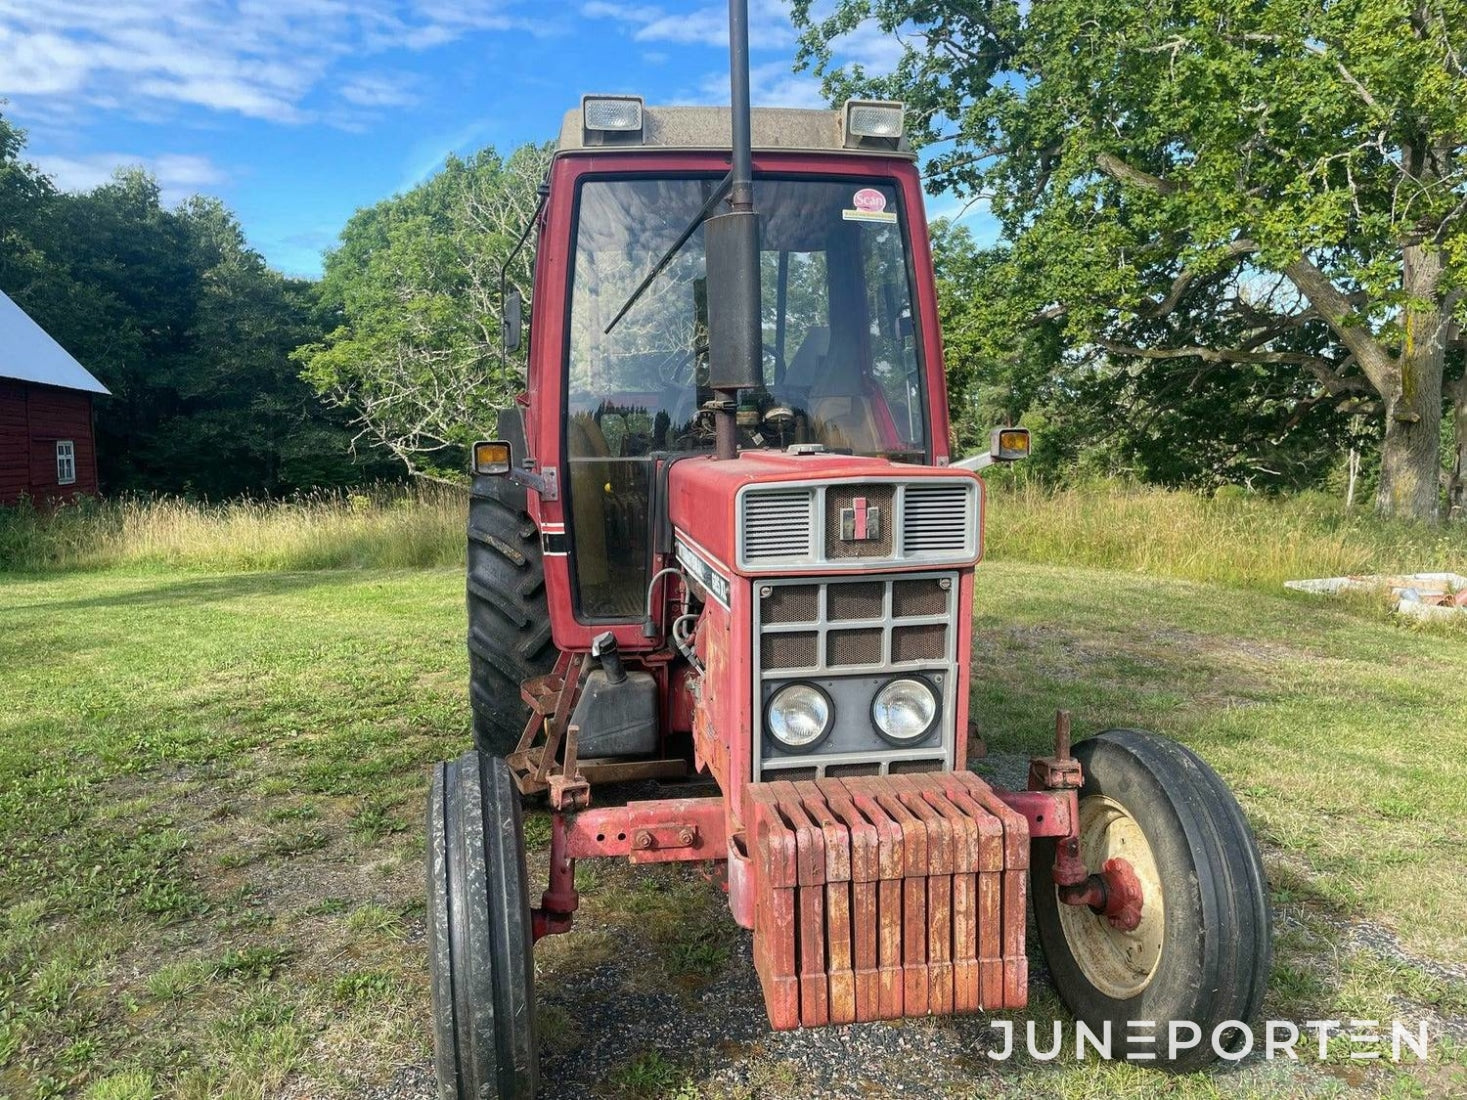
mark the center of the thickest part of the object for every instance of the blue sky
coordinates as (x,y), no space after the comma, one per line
(297,112)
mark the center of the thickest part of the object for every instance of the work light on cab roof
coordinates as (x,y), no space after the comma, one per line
(722,546)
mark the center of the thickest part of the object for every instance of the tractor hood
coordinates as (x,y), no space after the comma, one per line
(780,512)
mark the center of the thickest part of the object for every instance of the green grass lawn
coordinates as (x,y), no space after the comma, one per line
(211,791)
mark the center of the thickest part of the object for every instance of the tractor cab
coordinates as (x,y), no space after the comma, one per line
(850,356)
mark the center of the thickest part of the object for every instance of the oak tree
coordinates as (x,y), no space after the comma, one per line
(413,299)
(1211,186)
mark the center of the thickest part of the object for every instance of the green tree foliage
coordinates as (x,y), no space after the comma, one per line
(412,294)
(1236,220)
(187,327)
(25,198)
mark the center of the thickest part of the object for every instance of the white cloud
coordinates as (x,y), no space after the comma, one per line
(627,13)
(179,175)
(869,46)
(258,58)
(772,84)
(378,90)
(40,64)
(769,23)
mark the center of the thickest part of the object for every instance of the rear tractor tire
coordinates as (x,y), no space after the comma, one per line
(509,622)
(480,935)
(1203,948)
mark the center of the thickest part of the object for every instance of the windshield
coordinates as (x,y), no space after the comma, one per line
(840,363)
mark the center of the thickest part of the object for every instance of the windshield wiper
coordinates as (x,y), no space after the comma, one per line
(677,246)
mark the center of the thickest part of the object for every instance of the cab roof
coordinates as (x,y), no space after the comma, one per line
(783,129)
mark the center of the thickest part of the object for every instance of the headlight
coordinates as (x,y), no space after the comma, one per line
(904,711)
(798,716)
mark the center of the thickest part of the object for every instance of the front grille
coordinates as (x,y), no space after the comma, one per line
(902,620)
(778,526)
(931,520)
(937,519)
(842,540)
(849,636)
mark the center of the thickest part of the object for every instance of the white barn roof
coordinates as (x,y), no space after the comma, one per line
(28,353)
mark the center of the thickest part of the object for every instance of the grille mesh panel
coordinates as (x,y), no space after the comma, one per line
(853,647)
(778,525)
(919,643)
(923,597)
(864,600)
(845,771)
(783,651)
(792,603)
(937,519)
(832,640)
(914,767)
(791,774)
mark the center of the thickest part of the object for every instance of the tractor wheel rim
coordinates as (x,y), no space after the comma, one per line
(1119,964)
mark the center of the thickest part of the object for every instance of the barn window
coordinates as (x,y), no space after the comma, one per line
(65,462)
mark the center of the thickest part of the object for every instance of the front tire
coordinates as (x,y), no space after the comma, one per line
(1203,950)
(480,935)
(509,621)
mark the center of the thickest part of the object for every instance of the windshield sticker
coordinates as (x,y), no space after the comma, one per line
(868,205)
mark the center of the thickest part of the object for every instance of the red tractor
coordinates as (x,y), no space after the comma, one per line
(722,533)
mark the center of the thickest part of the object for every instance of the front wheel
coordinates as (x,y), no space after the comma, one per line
(1202,950)
(479,934)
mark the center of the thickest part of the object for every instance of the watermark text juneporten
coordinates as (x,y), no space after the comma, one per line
(1231,1040)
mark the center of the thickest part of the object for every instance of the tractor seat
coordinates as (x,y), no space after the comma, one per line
(809,361)
(840,415)
(844,422)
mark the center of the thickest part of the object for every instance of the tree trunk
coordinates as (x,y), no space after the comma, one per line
(1457,475)
(1409,466)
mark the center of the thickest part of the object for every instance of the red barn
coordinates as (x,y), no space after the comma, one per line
(46,448)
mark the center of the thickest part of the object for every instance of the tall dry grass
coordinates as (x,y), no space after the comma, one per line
(1233,538)
(388,527)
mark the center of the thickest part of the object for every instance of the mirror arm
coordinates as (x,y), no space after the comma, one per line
(542,192)
(977,462)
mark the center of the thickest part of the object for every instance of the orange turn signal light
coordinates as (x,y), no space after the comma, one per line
(1009,444)
(491,457)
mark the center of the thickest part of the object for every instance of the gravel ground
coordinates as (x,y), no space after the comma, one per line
(721,1038)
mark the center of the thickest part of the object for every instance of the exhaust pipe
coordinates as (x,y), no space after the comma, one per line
(741,190)
(731,241)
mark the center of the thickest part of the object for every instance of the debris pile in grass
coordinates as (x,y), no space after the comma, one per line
(1419,595)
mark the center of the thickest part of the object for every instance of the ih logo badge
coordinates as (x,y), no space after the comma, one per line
(860,522)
